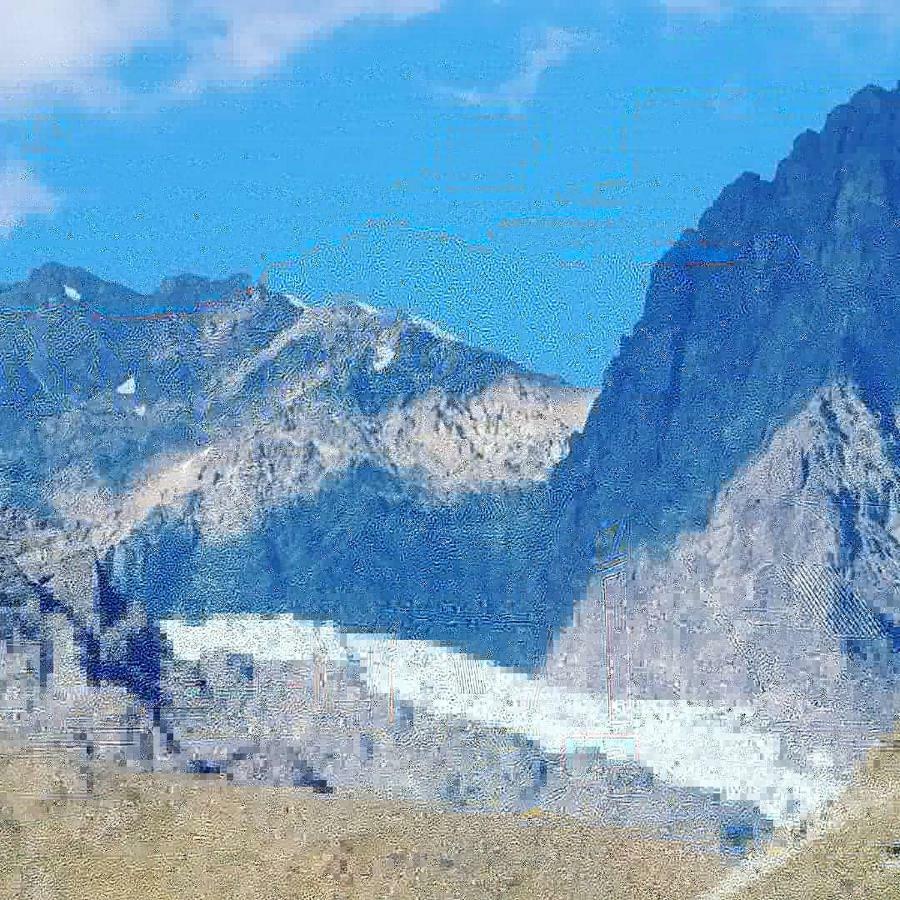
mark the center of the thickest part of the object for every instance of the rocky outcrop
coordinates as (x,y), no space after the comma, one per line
(782,287)
(230,369)
(785,603)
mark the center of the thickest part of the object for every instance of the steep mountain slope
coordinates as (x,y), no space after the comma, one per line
(234,449)
(747,445)
(785,603)
(784,286)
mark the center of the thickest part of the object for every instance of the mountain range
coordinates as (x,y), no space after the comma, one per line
(213,420)
(718,526)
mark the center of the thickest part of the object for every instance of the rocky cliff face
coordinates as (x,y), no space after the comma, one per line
(785,603)
(229,449)
(747,443)
(783,287)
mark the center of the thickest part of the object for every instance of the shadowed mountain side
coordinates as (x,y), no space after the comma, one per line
(783,287)
(786,603)
(335,557)
(341,462)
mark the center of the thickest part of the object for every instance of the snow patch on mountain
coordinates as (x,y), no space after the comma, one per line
(295,301)
(128,387)
(702,747)
(434,329)
(385,354)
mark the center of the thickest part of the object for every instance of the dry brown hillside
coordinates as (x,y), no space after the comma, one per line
(97,833)
(74,829)
(851,853)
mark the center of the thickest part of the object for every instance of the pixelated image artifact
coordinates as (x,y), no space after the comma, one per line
(522,520)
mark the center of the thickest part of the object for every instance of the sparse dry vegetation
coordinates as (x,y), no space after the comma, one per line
(852,853)
(95,832)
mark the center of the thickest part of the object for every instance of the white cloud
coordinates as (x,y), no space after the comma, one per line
(245,41)
(553,47)
(70,47)
(74,47)
(21,195)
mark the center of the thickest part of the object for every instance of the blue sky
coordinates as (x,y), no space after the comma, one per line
(508,169)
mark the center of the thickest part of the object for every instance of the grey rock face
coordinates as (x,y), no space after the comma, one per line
(785,602)
(783,287)
(66,680)
(747,442)
(100,384)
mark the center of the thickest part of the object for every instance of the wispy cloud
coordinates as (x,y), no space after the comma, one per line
(63,47)
(22,195)
(239,41)
(552,48)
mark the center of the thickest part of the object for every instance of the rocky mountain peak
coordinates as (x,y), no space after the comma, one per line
(198,285)
(784,286)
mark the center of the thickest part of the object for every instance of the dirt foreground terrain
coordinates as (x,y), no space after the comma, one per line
(71,828)
(95,832)
(851,853)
